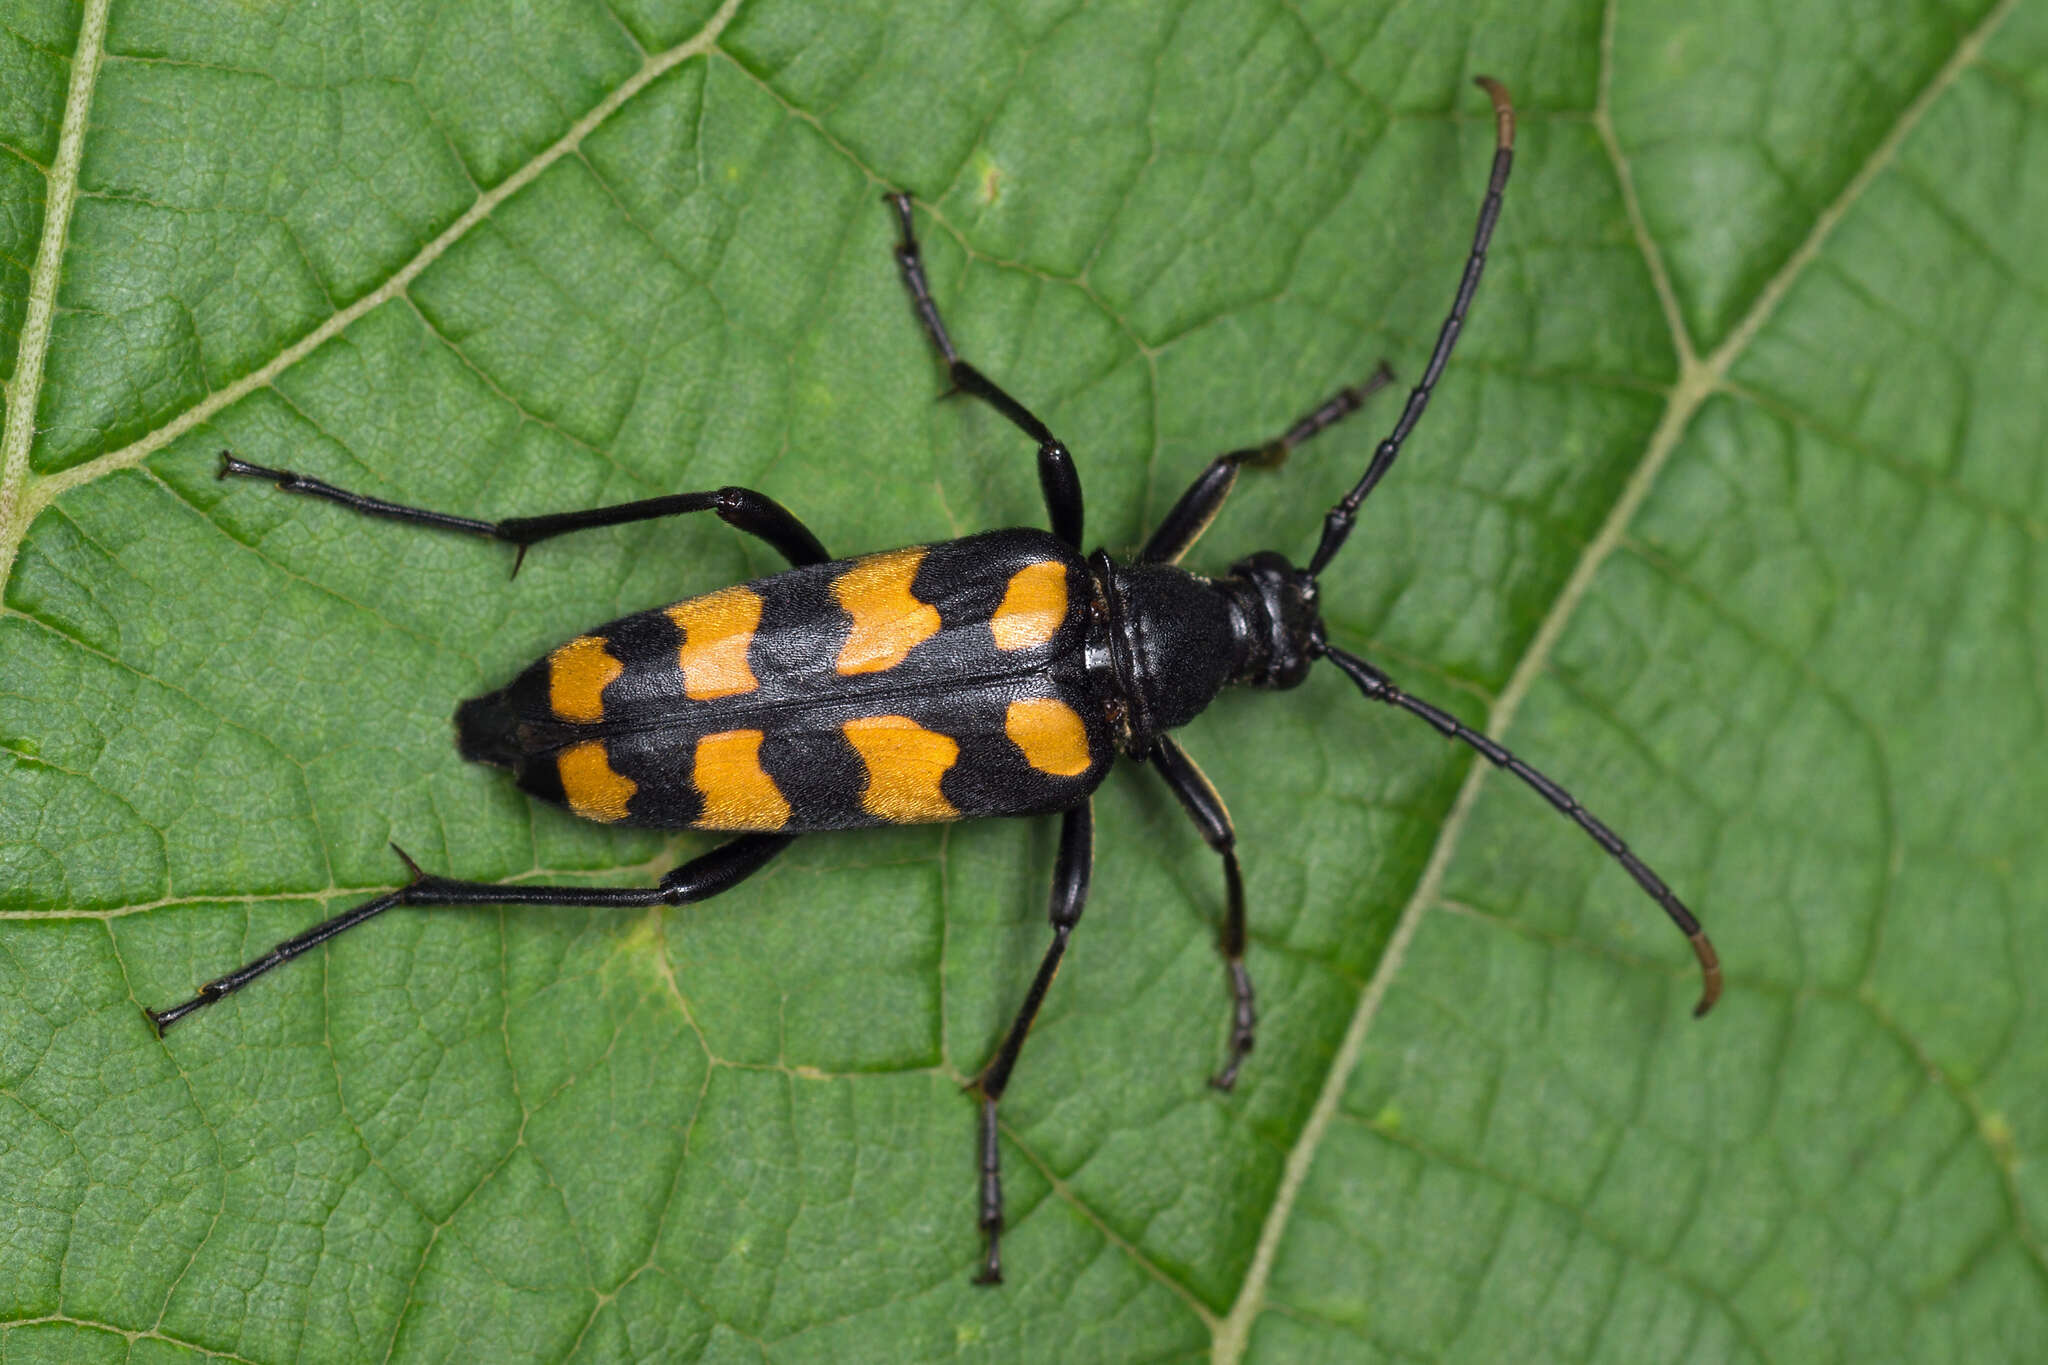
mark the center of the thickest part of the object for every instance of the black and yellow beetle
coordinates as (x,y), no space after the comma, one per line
(998,674)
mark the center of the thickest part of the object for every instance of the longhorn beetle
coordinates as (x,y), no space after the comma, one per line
(998,674)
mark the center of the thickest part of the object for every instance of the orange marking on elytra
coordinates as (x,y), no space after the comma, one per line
(577,674)
(905,762)
(592,789)
(717,630)
(1051,735)
(1033,606)
(887,619)
(737,793)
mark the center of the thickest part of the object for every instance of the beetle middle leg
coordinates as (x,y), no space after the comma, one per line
(1192,512)
(1057,478)
(1205,807)
(743,509)
(1069,895)
(701,878)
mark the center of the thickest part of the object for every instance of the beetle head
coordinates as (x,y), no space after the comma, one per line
(1291,636)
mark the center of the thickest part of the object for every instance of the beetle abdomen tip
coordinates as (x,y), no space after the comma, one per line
(484,731)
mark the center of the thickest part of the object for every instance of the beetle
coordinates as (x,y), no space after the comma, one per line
(1000,674)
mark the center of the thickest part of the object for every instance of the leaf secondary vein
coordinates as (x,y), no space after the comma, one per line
(22,497)
(25,389)
(1698,380)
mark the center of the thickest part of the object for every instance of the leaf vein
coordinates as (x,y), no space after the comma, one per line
(22,499)
(24,387)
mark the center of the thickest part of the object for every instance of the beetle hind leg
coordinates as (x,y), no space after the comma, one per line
(699,879)
(1069,896)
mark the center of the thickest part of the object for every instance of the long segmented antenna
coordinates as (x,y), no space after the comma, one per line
(1337,523)
(1379,687)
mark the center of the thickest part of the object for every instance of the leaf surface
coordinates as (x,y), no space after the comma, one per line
(1728,515)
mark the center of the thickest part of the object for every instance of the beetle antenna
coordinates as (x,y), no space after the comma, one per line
(1337,522)
(1379,687)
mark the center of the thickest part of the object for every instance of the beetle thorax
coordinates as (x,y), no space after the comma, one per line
(1172,640)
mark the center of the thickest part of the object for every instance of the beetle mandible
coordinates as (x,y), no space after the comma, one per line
(998,674)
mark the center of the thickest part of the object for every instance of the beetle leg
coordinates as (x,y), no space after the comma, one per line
(1198,797)
(699,879)
(1069,895)
(743,509)
(1189,517)
(1057,478)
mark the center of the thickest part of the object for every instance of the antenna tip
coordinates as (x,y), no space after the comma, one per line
(1503,110)
(1710,972)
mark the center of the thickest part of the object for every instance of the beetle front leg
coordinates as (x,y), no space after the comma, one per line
(1199,798)
(1069,896)
(1192,512)
(1057,478)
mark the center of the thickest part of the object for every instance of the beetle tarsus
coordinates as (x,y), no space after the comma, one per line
(232,466)
(161,1020)
(991,1217)
(1244,1021)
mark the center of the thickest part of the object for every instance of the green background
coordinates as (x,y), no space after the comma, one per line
(1731,515)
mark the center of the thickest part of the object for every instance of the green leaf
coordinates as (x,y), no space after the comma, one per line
(1728,515)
